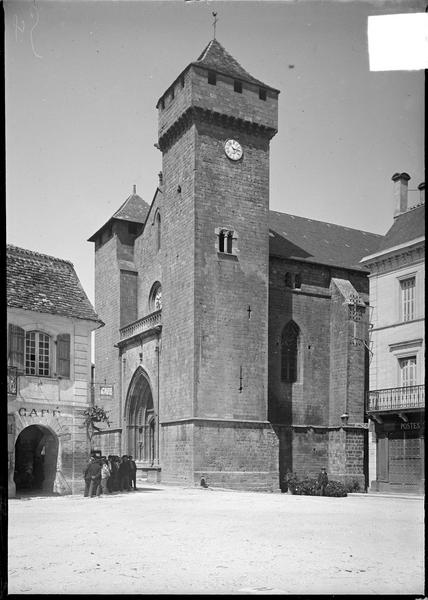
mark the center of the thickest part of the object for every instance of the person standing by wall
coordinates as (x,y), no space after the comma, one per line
(322,481)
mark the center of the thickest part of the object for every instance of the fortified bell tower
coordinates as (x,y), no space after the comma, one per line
(215,125)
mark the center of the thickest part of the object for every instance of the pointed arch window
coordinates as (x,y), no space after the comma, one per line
(289,352)
(158,231)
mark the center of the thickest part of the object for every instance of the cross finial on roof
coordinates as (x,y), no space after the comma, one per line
(135,189)
(214,22)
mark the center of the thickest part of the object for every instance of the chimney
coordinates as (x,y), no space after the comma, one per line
(421,188)
(400,192)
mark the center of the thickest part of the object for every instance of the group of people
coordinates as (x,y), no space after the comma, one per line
(105,475)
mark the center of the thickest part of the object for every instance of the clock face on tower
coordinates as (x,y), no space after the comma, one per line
(233,149)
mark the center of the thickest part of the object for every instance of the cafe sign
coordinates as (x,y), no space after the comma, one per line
(25,411)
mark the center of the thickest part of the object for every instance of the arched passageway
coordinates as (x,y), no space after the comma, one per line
(36,455)
(140,418)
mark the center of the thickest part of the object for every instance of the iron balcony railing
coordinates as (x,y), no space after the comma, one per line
(141,326)
(401,398)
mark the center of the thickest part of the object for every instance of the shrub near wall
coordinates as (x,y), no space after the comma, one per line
(309,487)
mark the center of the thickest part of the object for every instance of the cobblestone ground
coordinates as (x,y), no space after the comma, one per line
(173,540)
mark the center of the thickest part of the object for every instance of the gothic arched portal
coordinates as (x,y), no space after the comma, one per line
(140,419)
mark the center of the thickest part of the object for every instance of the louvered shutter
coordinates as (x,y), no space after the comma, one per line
(63,355)
(16,346)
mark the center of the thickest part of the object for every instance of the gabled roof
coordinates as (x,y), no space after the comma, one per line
(43,283)
(133,210)
(215,57)
(406,227)
(315,241)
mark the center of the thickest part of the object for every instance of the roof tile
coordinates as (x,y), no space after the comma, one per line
(46,284)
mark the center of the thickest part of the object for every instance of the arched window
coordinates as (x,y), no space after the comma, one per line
(37,352)
(289,352)
(155,299)
(158,232)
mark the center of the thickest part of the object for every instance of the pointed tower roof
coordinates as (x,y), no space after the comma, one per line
(133,210)
(215,57)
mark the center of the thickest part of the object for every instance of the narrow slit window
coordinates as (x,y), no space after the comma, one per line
(237,86)
(212,78)
(288,280)
(262,93)
(221,237)
(297,281)
(289,352)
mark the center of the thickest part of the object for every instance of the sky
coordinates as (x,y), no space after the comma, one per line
(83,79)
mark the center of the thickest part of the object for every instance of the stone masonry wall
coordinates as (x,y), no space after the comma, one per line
(236,455)
(231,341)
(107,305)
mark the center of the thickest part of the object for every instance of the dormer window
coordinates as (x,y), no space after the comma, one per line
(262,93)
(237,86)
(212,77)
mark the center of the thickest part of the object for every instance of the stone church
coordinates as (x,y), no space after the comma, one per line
(235,345)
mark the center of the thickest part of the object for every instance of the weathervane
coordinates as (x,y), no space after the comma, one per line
(215,21)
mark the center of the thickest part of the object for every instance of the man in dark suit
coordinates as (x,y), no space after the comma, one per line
(124,474)
(132,472)
(94,472)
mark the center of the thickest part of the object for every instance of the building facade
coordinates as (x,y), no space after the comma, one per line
(235,337)
(50,321)
(396,400)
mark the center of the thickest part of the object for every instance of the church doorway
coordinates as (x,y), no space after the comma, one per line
(140,418)
(36,454)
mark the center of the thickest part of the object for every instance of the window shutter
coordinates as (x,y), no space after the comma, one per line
(16,346)
(63,355)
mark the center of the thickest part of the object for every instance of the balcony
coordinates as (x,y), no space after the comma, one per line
(396,399)
(148,325)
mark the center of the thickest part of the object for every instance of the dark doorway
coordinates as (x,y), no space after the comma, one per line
(36,453)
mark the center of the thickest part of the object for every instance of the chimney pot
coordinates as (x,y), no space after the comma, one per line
(400,192)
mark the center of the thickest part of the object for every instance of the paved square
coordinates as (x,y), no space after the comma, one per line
(172,540)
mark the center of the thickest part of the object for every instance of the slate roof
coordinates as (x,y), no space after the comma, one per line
(45,284)
(316,241)
(133,210)
(406,227)
(215,57)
